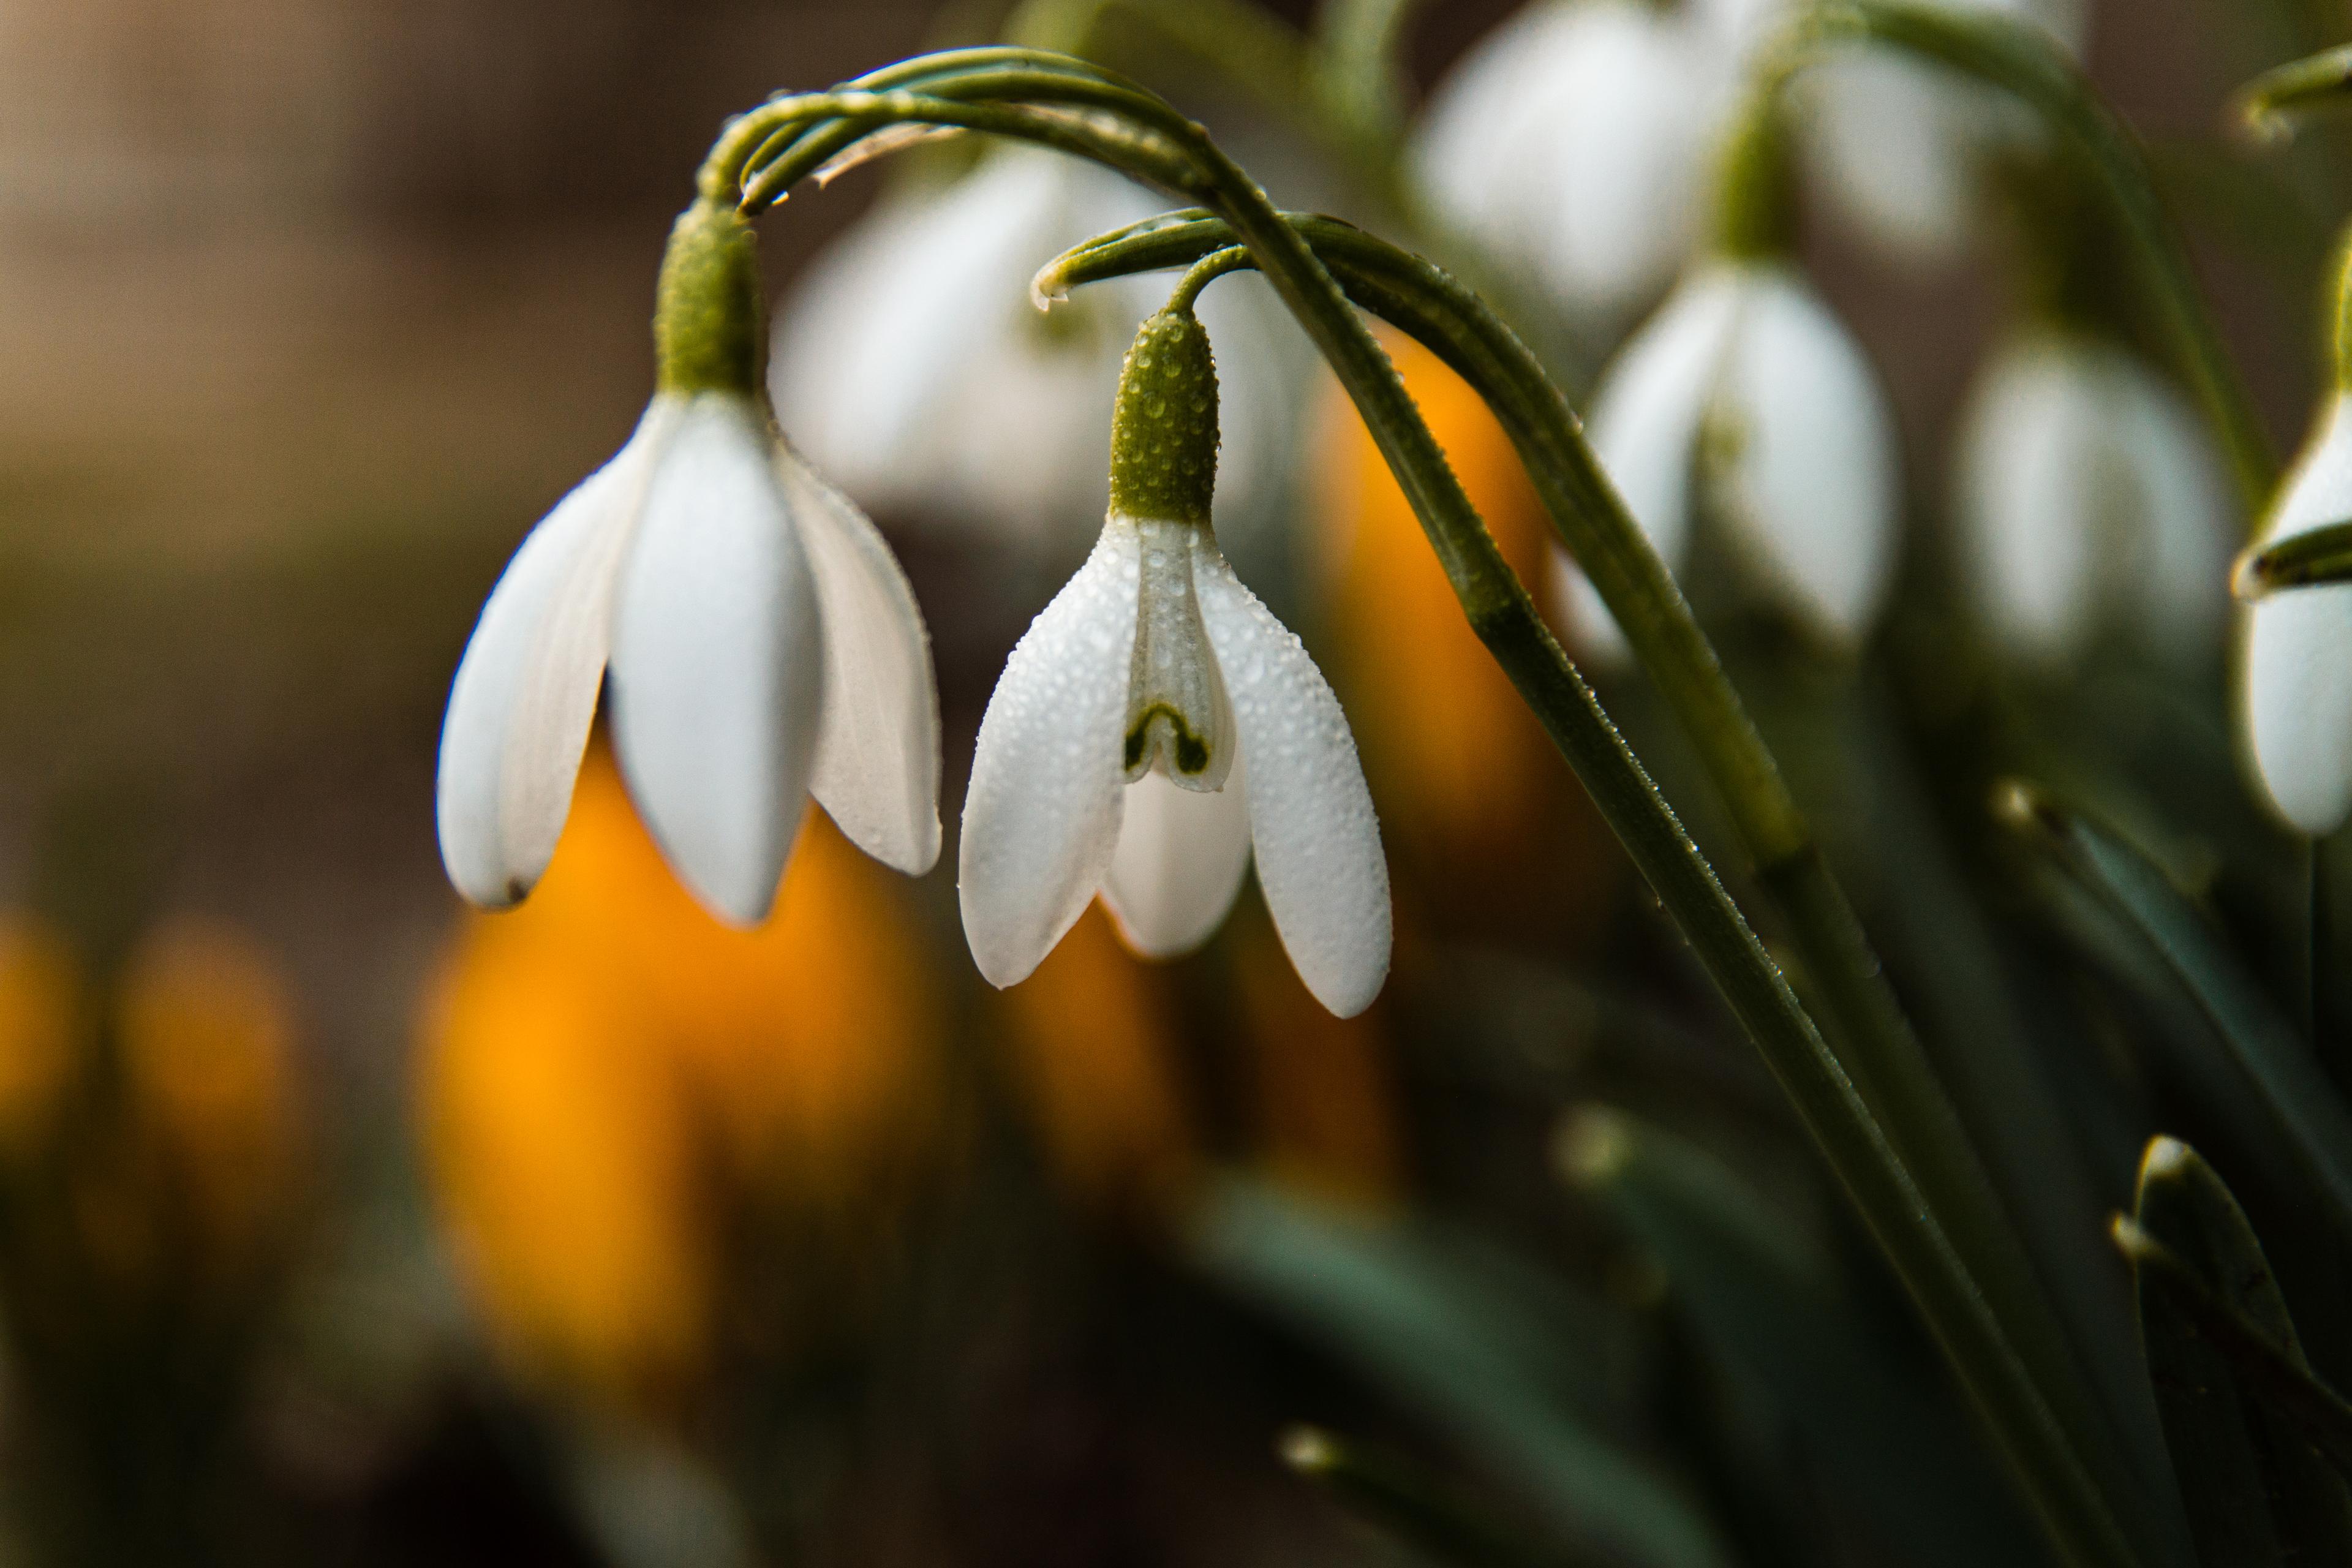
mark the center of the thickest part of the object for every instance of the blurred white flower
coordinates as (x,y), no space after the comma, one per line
(1573,143)
(1898,143)
(761,642)
(1746,400)
(2298,654)
(2089,498)
(1156,724)
(913,368)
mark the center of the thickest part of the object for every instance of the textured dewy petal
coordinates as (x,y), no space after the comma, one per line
(718,662)
(1573,144)
(1311,822)
(1041,819)
(2027,478)
(1644,427)
(2299,649)
(1179,863)
(1805,469)
(525,693)
(877,752)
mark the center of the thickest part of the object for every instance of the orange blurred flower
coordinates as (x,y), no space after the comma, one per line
(40,985)
(607,1068)
(1095,1054)
(1457,762)
(1326,1114)
(166,1122)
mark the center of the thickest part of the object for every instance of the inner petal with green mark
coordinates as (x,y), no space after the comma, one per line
(1179,721)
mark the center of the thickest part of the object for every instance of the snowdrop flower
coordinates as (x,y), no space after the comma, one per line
(1899,144)
(2088,495)
(761,640)
(1571,145)
(1156,725)
(1744,399)
(2298,653)
(911,366)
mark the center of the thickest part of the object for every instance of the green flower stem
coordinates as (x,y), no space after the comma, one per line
(1878,1047)
(2023,61)
(1497,607)
(2270,102)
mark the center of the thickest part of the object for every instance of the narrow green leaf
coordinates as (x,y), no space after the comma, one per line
(1423,1512)
(2315,558)
(1766,1301)
(2257,1488)
(1374,1294)
(2280,1069)
(2317,81)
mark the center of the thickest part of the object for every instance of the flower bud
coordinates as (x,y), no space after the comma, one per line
(1163,435)
(708,333)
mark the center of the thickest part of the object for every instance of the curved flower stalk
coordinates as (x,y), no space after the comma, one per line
(910,363)
(1156,726)
(2089,498)
(1745,401)
(761,642)
(2298,646)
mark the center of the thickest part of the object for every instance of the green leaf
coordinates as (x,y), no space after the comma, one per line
(2318,82)
(2257,1488)
(2266,1051)
(1393,1495)
(2313,558)
(1767,1302)
(1380,1296)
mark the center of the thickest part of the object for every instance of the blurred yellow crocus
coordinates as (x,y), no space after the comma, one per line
(609,1072)
(40,986)
(163,1115)
(1094,1052)
(1457,762)
(205,1032)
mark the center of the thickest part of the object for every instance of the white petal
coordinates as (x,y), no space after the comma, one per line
(1810,480)
(1635,120)
(1316,839)
(718,662)
(877,753)
(2299,703)
(1890,136)
(1644,427)
(1573,144)
(2299,646)
(1179,864)
(525,693)
(882,329)
(1041,820)
(2028,483)
(2187,525)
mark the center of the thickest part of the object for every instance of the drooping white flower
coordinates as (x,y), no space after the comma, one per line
(1571,145)
(912,367)
(1900,144)
(1746,400)
(2088,497)
(1156,726)
(2298,652)
(761,640)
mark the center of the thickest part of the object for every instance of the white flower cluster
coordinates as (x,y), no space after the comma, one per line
(1155,728)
